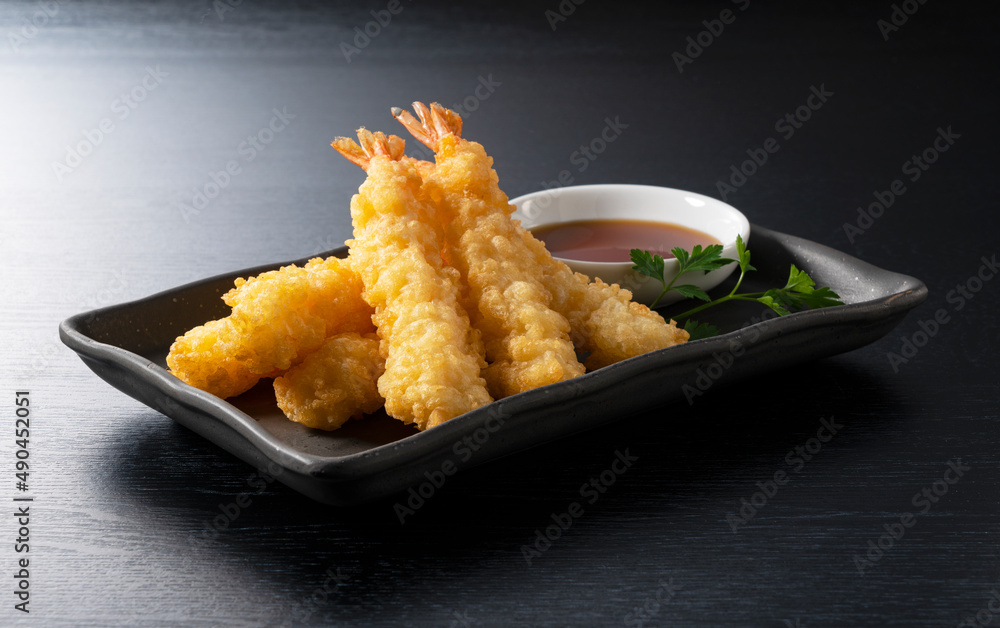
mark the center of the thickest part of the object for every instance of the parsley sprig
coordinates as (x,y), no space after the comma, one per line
(799,292)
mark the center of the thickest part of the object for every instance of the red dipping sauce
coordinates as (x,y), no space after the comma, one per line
(612,240)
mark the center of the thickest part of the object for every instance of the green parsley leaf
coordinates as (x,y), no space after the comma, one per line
(799,281)
(777,301)
(706,259)
(647,263)
(692,292)
(800,291)
(821,297)
(743,254)
(698,259)
(700,330)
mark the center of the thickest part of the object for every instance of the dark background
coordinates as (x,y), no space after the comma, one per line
(120,489)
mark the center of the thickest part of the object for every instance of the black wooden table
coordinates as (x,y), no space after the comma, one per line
(147,145)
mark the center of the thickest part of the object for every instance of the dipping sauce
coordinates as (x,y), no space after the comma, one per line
(612,240)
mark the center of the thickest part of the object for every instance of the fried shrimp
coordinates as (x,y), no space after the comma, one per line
(604,322)
(433,356)
(278,317)
(527,342)
(444,303)
(197,360)
(283,315)
(334,383)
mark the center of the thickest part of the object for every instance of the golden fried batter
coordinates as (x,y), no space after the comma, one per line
(335,383)
(195,358)
(433,357)
(283,315)
(604,322)
(527,342)
(278,318)
(464,301)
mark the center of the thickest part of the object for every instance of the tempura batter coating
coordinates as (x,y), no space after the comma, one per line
(283,315)
(604,322)
(527,342)
(278,318)
(433,357)
(335,383)
(196,359)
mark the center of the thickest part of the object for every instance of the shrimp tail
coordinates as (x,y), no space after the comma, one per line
(368,146)
(434,122)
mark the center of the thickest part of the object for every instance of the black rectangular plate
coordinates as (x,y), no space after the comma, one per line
(126,345)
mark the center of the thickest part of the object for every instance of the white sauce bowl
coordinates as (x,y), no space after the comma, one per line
(638,202)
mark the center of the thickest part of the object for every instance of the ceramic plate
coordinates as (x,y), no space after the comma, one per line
(126,345)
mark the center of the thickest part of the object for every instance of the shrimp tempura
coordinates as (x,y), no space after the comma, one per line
(527,342)
(278,318)
(283,315)
(433,357)
(605,323)
(195,358)
(334,383)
